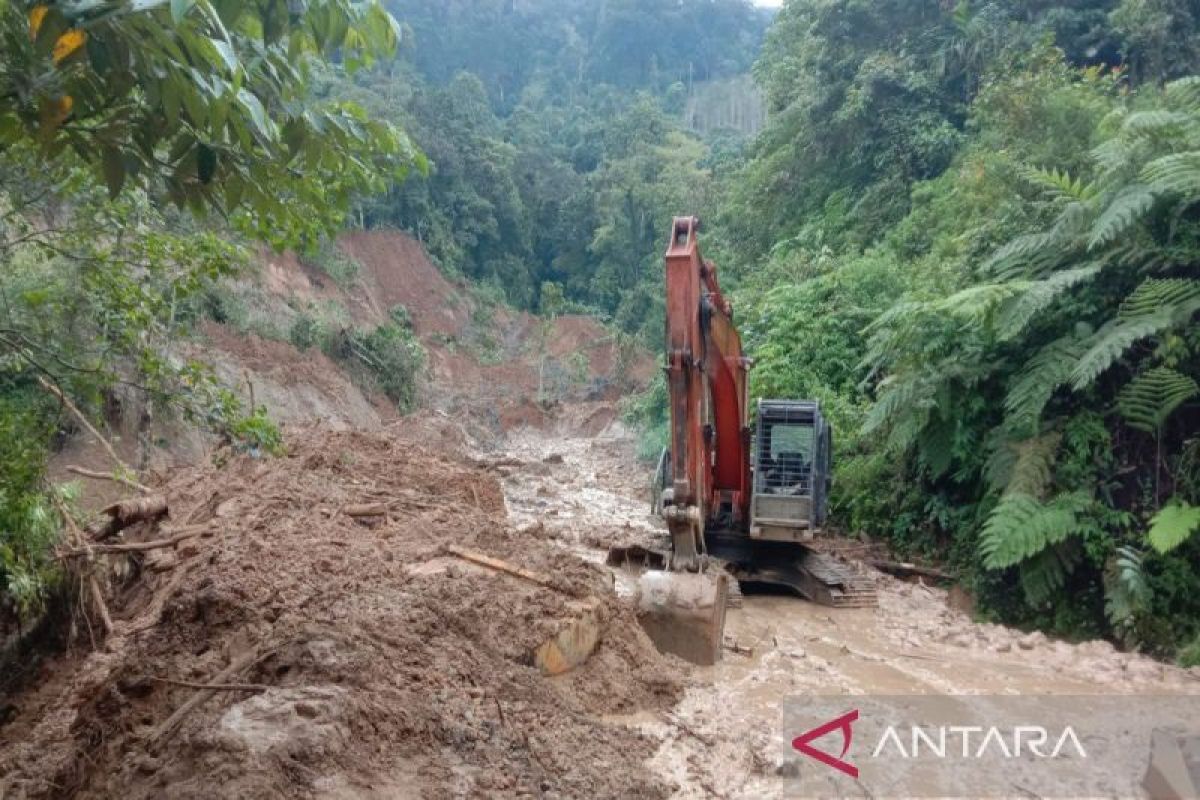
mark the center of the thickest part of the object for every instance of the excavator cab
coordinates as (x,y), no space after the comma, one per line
(791,471)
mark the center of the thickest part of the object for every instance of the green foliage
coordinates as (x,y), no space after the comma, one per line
(390,357)
(978,251)
(1150,399)
(305,333)
(647,412)
(1127,592)
(256,433)
(1173,526)
(121,125)
(203,102)
(1189,656)
(29,526)
(1021,527)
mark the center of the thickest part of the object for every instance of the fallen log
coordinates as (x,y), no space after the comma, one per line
(128,513)
(905,570)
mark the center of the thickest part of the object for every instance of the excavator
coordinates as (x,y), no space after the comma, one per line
(740,500)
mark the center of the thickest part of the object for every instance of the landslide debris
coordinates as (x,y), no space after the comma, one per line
(294,650)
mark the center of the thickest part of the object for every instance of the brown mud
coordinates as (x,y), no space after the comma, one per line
(366,662)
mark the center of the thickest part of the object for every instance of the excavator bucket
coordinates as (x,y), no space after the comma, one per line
(684,613)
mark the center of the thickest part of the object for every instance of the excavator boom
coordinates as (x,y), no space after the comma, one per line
(707,381)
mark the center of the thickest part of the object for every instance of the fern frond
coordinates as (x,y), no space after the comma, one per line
(1127,592)
(977,305)
(1059,183)
(1184,94)
(1178,296)
(898,400)
(1157,123)
(1157,305)
(1110,343)
(1173,526)
(1020,527)
(1176,174)
(1114,154)
(1047,572)
(1022,467)
(937,446)
(1036,296)
(1036,383)
(1032,470)
(1128,207)
(1149,399)
(1020,251)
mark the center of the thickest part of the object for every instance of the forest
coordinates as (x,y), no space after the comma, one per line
(970,229)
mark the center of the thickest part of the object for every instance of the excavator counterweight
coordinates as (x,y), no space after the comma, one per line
(736,500)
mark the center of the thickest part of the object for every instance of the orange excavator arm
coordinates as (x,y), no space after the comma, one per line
(707,384)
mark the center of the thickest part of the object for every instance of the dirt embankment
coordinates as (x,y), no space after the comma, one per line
(496,366)
(290,649)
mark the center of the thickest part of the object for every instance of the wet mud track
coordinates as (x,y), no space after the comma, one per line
(725,737)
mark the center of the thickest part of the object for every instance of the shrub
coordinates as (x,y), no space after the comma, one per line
(305,333)
(29,526)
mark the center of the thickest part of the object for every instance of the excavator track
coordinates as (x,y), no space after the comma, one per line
(817,576)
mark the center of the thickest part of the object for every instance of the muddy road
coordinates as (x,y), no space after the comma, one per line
(724,739)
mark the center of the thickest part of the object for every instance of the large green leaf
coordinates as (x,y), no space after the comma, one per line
(1173,526)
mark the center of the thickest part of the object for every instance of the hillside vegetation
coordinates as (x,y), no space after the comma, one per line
(972,231)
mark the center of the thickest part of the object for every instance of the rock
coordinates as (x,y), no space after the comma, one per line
(1031,640)
(1004,647)
(553,458)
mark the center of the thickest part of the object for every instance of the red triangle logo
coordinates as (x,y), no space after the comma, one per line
(803,743)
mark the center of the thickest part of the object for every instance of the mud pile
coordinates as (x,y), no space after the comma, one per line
(292,649)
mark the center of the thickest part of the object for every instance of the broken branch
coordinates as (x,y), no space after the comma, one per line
(83,420)
(502,566)
(171,723)
(137,547)
(106,476)
(216,687)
